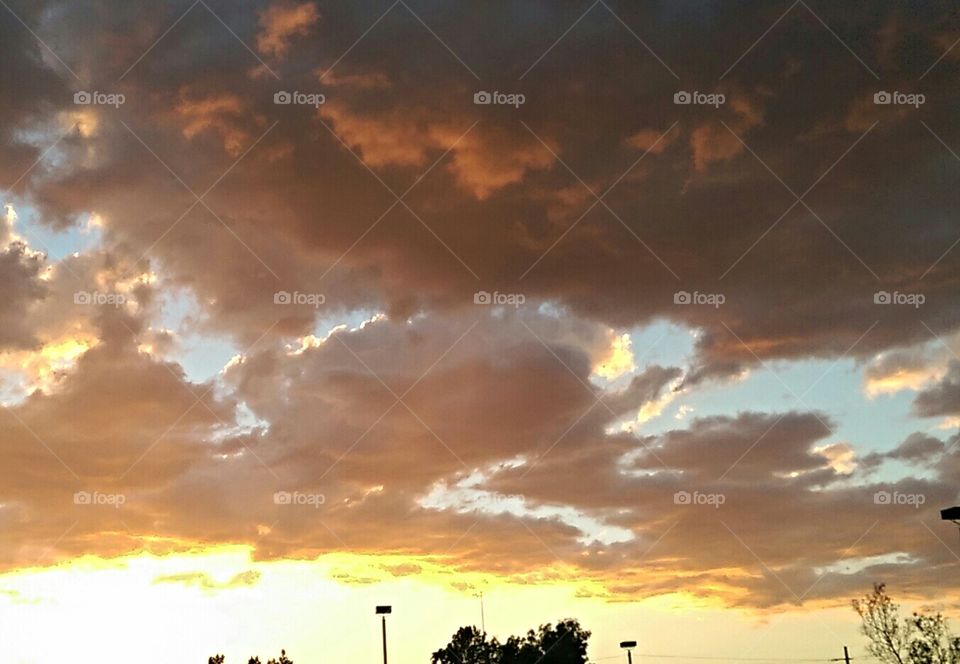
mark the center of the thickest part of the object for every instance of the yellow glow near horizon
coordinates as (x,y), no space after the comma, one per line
(183,607)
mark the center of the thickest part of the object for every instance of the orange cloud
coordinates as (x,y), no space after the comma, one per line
(651,140)
(225,114)
(485,162)
(281,23)
(712,141)
(483,159)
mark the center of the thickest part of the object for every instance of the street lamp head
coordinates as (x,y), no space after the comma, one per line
(628,644)
(950,514)
(384,609)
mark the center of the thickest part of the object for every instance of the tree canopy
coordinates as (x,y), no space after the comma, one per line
(565,643)
(920,639)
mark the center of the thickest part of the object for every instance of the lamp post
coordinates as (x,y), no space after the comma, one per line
(382,611)
(628,646)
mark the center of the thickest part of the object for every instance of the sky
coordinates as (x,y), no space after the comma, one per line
(640,313)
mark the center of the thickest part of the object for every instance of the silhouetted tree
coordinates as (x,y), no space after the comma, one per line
(564,644)
(219,659)
(283,659)
(468,646)
(921,639)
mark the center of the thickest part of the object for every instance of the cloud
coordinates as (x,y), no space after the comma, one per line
(942,398)
(299,206)
(483,160)
(226,114)
(524,422)
(204,581)
(546,200)
(619,360)
(651,140)
(280,23)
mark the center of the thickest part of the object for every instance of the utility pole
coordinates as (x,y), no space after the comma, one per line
(845,659)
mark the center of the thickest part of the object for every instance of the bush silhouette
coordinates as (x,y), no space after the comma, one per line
(219,659)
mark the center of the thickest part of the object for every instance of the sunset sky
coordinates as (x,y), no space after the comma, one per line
(643,313)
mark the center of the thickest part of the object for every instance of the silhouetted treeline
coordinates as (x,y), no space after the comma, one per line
(220,659)
(564,644)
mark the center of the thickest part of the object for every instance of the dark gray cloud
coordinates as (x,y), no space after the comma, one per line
(943,398)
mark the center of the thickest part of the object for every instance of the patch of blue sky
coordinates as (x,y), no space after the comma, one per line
(55,243)
(660,343)
(663,343)
(832,387)
(201,355)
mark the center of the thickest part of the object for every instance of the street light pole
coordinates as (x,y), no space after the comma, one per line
(384,624)
(628,646)
(382,611)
